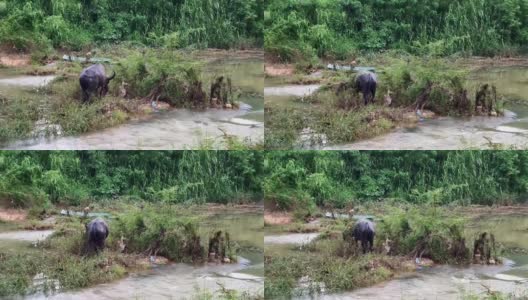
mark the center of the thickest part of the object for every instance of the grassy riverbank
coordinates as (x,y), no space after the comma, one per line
(60,264)
(335,114)
(330,264)
(145,76)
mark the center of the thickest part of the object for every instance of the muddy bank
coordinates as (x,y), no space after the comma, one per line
(453,282)
(172,280)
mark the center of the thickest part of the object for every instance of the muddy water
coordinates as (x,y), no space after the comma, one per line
(178,281)
(451,282)
(446,133)
(176,129)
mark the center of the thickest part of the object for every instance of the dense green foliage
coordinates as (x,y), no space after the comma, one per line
(304,179)
(37,178)
(329,28)
(74,24)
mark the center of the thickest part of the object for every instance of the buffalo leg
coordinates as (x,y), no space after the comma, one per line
(86,96)
(373,90)
(371,243)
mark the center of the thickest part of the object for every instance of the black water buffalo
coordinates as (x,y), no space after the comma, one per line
(93,80)
(366,84)
(364,232)
(96,234)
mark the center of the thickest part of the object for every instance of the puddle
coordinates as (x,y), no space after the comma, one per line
(27,81)
(293,239)
(291,90)
(448,133)
(26,235)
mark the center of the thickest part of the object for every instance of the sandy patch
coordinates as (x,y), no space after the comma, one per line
(14,60)
(279,70)
(277,218)
(9,215)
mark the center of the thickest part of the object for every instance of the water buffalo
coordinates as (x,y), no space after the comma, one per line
(96,234)
(366,84)
(364,231)
(93,80)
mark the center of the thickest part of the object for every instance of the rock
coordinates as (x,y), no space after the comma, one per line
(493,113)
(228,106)
(492,262)
(227,260)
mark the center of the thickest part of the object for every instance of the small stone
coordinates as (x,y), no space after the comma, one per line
(228,106)
(227,260)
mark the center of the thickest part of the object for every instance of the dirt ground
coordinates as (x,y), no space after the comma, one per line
(14,60)
(12,215)
(277,218)
(274,70)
